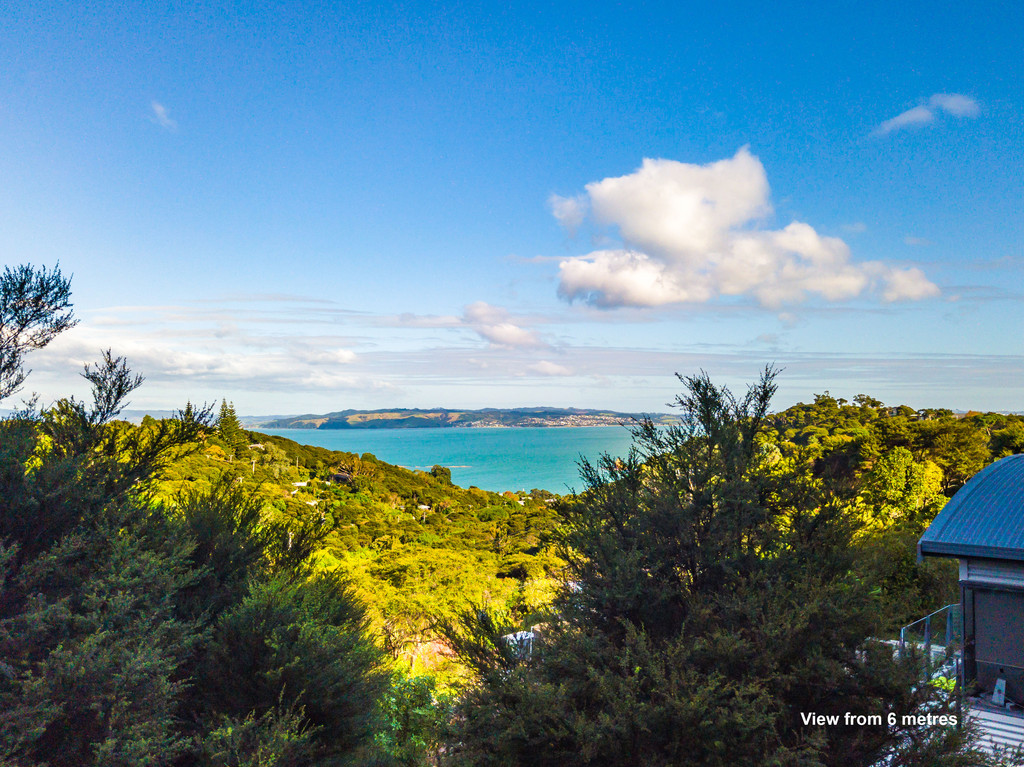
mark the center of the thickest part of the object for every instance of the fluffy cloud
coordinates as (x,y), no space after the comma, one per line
(507,334)
(908,285)
(682,211)
(691,235)
(494,325)
(954,104)
(610,278)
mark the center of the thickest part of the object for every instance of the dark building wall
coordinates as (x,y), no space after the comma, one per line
(993,601)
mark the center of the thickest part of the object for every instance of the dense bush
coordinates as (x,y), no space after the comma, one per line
(712,600)
(136,634)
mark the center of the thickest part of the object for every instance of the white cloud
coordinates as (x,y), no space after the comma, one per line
(248,368)
(161,116)
(493,324)
(857,227)
(691,235)
(507,334)
(210,348)
(329,356)
(918,242)
(915,116)
(610,278)
(679,210)
(954,104)
(481,312)
(410,320)
(908,285)
(569,211)
(548,368)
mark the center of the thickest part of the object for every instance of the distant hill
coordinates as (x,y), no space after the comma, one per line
(443,418)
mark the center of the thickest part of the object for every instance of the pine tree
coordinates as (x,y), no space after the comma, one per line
(229,429)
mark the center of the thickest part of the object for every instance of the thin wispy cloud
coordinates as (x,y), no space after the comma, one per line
(548,368)
(204,360)
(916,379)
(212,359)
(493,324)
(917,242)
(411,320)
(693,234)
(204,347)
(255,311)
(568,211)
(532,259)
(271,298)
(954,104)
(1002,262)
(162,117)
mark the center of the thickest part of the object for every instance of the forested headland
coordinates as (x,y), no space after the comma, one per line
(442,418)
(188,592)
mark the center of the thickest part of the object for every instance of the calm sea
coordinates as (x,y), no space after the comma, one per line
(492,459)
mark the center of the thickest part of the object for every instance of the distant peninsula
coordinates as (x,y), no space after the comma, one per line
(446,419)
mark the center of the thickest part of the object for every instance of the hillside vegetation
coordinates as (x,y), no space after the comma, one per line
(730,575)
(185,592)
(419,548)
(413,545)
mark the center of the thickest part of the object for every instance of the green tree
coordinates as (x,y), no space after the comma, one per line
(278,738)
(91,648)
(297,644)
(442,474)
(35,307)
(229,429)
(959,447)
(712,602)
(414,714)
(135,635)
(61,467)
(1009,440)
(900,491)
(90,645)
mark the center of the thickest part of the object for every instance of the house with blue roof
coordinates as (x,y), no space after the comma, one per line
(983,527)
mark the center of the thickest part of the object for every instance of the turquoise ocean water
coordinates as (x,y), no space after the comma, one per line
(492,459)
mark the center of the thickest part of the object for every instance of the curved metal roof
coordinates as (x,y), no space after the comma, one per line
(985,518)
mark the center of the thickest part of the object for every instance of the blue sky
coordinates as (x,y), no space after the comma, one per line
(309,208)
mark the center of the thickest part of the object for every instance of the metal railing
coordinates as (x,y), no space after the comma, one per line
(939,637)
